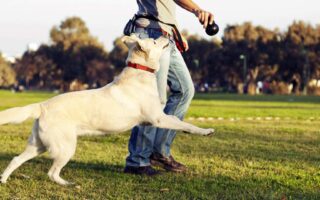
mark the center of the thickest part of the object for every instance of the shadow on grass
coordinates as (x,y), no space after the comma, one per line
(72,164)
(100,179)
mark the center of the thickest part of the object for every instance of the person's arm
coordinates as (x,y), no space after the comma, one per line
(204,17)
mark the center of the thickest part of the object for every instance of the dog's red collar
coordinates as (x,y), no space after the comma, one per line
(141,67)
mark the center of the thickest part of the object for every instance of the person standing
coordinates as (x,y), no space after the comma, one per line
(149,145)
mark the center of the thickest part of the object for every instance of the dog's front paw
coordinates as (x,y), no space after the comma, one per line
(3,180)
(208,131)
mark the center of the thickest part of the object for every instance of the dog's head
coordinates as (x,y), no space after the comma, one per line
(145,52)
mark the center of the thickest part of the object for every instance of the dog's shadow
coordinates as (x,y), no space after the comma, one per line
(45,162)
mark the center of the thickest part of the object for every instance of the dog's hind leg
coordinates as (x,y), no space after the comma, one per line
(34,148)
(54,172)
(61,154)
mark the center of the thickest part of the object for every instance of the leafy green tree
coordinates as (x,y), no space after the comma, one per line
(302,56)
(260,47)
(7,74)
(203,58)
(77,50)
(73,55)
(38,69)
(73,33)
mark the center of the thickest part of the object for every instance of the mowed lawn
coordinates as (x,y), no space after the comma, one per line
(265,147)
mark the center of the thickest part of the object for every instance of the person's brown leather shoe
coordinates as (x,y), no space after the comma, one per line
(167,163)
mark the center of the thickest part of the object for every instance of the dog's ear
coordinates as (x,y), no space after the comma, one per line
(132,40)
(163,42)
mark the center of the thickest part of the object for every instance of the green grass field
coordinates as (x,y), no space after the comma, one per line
(265,147)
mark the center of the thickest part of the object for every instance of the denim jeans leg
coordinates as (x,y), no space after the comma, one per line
(140,146)
(142,137)
(182,92)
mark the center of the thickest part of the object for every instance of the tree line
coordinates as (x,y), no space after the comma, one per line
(248,59)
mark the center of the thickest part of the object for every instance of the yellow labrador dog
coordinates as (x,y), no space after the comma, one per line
(131,99)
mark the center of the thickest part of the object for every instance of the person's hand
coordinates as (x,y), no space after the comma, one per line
(185,43)
(204,17)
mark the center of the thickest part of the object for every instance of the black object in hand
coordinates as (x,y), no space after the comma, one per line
(212,29)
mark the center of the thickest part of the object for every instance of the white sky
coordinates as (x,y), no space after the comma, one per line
(29,21)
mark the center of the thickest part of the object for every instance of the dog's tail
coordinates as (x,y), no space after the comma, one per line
(19,114)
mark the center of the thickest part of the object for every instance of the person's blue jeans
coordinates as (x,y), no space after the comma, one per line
(146,140)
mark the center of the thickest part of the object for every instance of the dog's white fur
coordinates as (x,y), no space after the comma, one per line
(131,99)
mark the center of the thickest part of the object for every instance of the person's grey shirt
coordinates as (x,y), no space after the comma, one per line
(164,10)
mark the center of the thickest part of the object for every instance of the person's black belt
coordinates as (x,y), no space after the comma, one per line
(176,34)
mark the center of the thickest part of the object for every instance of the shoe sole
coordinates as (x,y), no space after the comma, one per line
(142,174)
(159,164)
